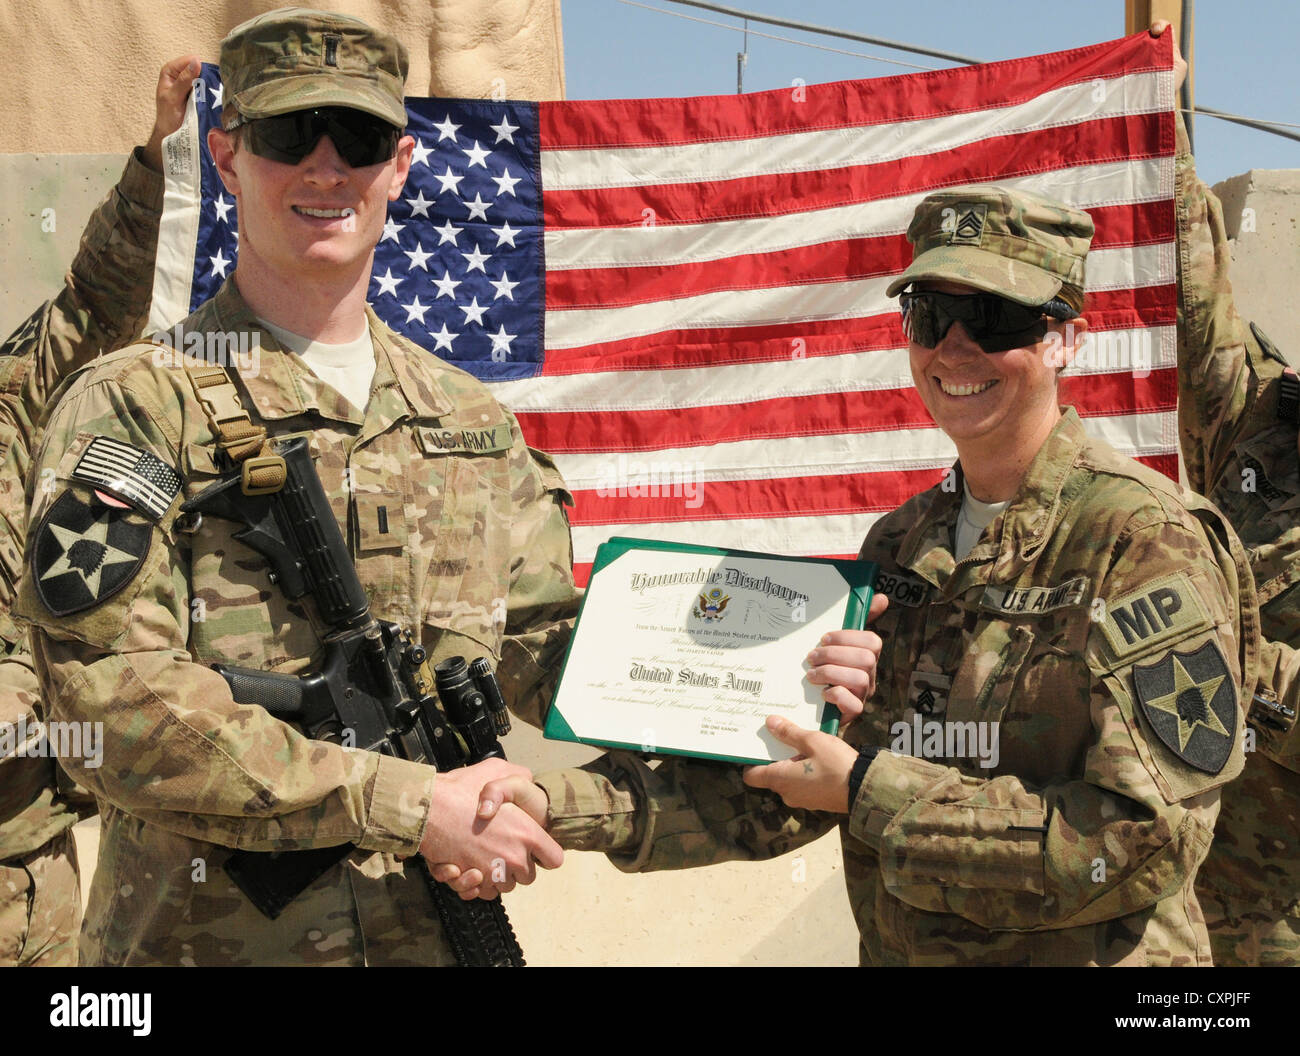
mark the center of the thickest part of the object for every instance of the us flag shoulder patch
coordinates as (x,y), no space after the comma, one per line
(130,474)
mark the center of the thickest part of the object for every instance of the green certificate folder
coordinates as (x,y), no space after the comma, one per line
(685,650)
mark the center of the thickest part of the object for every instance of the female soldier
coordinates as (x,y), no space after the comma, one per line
(1061,675)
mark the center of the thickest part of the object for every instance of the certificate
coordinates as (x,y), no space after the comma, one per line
(686,650)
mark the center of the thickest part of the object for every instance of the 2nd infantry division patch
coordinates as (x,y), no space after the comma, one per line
(1190,700)
(85,554)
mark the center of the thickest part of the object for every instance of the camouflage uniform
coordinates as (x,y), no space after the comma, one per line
(1243,456)
(457,531)
(102,305)
(1080,845)
(1104,621)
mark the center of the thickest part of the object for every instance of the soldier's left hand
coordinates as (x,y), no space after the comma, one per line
(845,663)
(817,778)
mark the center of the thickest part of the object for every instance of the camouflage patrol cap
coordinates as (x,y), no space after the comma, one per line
(295,58)
(1021,246)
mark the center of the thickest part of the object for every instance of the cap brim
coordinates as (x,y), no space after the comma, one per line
(286,94)
(981,270)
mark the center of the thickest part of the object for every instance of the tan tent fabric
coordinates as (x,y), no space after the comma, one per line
(79,74)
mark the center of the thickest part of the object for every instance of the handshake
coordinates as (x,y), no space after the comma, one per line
(487,827)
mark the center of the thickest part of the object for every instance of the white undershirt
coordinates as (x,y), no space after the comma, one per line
(974,517)
(348,368)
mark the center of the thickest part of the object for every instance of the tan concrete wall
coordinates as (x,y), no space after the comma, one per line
(45,201)
(83,78)
(1261,210)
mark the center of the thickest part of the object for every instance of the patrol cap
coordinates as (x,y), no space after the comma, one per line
(295,58)
(1022,246)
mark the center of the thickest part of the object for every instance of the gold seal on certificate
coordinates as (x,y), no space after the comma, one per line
(686,650)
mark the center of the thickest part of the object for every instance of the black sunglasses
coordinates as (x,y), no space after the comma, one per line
(994,323)
(360,138)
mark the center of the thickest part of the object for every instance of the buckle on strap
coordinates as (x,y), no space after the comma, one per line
(262,475)
(217,395)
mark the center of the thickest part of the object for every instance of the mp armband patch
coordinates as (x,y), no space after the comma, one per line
(129,474)
(85,554)
(1190,700)
(1164,610)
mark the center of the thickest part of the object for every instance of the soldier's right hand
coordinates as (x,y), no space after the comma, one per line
(504,849)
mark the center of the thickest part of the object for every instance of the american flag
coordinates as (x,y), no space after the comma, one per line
(683,299)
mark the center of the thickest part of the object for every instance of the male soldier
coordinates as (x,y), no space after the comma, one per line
(1239,436)
(457,532)
(1065,600)
(102,305)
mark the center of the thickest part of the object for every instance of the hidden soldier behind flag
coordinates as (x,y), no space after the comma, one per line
(102,305)
(1080,604)
(131,602)
(1238,412)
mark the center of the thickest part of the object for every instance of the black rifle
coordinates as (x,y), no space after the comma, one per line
(373,690)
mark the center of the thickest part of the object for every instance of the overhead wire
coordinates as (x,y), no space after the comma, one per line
(773,36)
(1277,128)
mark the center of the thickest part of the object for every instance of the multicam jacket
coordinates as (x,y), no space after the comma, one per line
(457,531)
(1243,455)
(1097,622)
(103,304)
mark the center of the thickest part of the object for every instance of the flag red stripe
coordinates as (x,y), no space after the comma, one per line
(586,432)
(820,496)
(842,104)
(1166,464)
(730,499)
(1123,138)
(1106,310)
(832,261)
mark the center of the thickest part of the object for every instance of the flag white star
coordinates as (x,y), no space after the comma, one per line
(476,260)
(415,310)
(446,130)
(387,282)
(443,338)
(419,204)
(217,89)
(477,207)
(505,233)
(501,341)
(223,208)
(448,233)
(503,287)
(449,180)
(477,155)
(420,156)
(475,310)
(505,131)
(446,286)
(391,230)
(418,257)
(220,264)
(506,183)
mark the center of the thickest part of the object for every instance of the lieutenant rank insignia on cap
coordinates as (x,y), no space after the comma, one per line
(84,554)
(129,473)
(1190,701)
